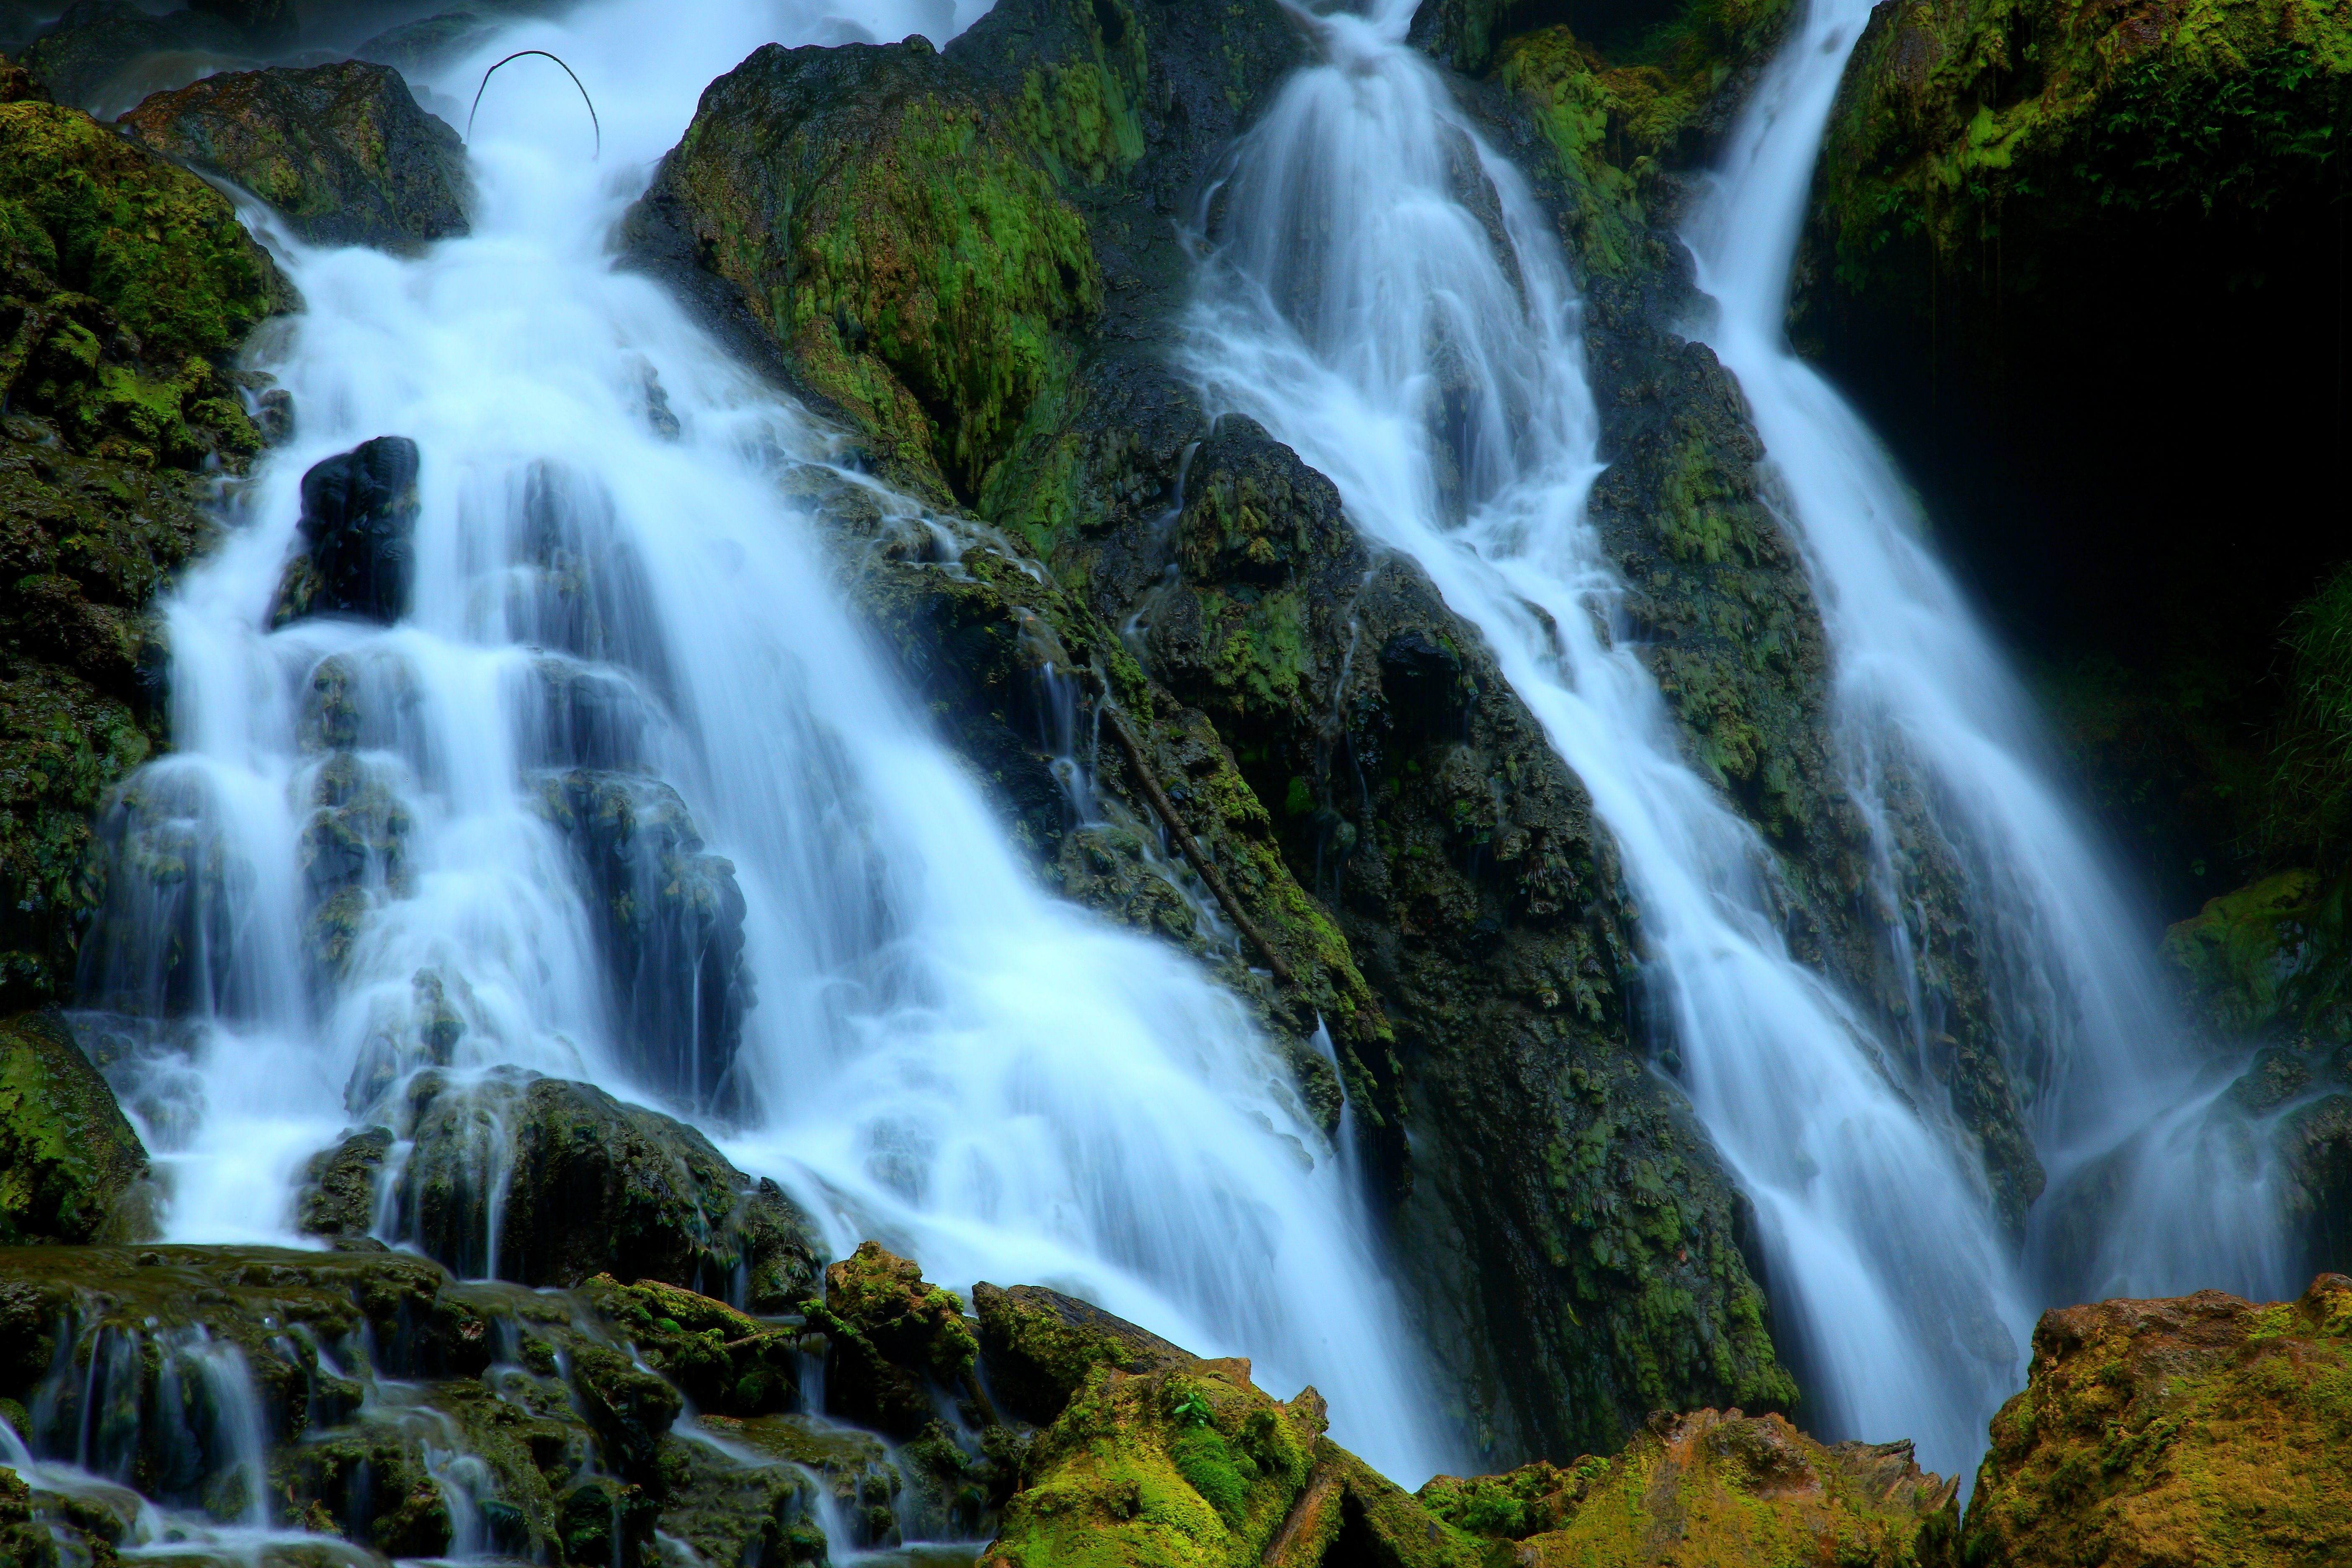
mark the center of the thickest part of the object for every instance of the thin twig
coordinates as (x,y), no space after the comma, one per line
(519,54)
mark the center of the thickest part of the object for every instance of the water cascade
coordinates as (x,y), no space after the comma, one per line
(605,663)
(1426,357)
(2171,1198)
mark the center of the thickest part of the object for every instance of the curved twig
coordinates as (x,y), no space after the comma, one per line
(519,54)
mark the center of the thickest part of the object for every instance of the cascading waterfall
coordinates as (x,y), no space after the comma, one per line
(2172,1194)
(357,863)
(1360,310)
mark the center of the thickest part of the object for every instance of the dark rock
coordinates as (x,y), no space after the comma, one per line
(1038,1347)
(423,44)
(590,1186)
(106,54)
(669,919)
(338,1198)
(71,1169)
(342,150)
(17,86)
(808,183)
(892,1339)
(359,513)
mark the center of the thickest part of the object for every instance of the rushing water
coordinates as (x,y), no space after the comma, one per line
(938,1054)
(2121,1102)
(1362,312)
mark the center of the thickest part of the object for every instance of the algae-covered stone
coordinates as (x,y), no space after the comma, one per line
(1713,1489)
(891,233)
(338,1198)
(342,150)
(1038,1347)
(590,1186)
(728,1364)
(152,242)
(2200,1429)
(892,1338)
(71,1169)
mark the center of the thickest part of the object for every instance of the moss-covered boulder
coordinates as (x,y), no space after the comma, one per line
(887,228)
(1714,1490)
(342,150)
(403,1414)
(71,1169)
(588,1185)
(2203,1429)
(1039,1347)
(892,1338)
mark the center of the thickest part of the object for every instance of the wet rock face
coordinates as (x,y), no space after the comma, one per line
(342,150)
(812,181)
(359,516)
(1039,1347)
(71,1169)
(893,1338)
(579,1185)
(379,1405)
(92,56)
(1420,873)
(2199,1429)
(669,918)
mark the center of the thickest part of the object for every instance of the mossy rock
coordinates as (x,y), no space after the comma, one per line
(891,233)
(1039,1347)
(2200,1429)
(71,1168)
(342,150)
(103,55)
(2004,139)
(150,241)
(591,1186)
(892,1338)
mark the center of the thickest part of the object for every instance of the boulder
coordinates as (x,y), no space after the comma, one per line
(669,919)
(1718,1488)
(106,54)
(1038,1347)
(396,1409)
(824,185)
(337,1202)
(71,1168)
(2199,1429)
(891,1340)
(587,1185)
(356,556)
(342,150)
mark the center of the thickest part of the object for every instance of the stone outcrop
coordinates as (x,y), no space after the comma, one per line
(125,284)
(100,55)
(342,151)
(358,518)
(585,1185)
(1160,1457)
(2203,1429)
(892,1339)
(71,1168)
(1382,820)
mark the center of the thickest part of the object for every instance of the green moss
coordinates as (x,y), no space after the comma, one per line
(154,244)
(70,1167)
(2203,1429)
(1964,127)
(919,269)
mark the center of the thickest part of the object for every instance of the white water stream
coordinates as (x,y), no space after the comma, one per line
(1365,315)
(940,1055)
(2116,1093)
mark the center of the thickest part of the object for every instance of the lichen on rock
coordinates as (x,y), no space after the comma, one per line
(342,150)
(2202,1429)
(71,1168)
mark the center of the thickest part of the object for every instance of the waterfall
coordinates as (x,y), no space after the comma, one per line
(2121,1101)
(354,865)
(1427,358)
